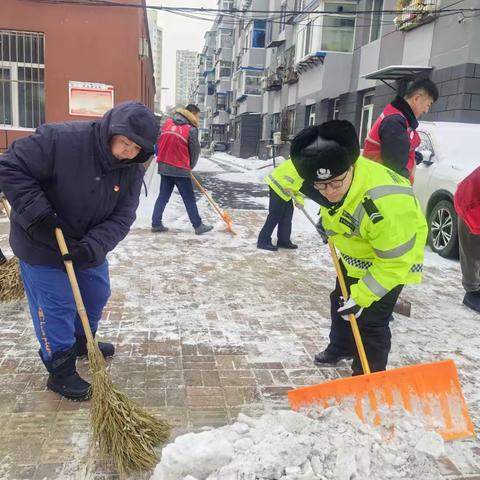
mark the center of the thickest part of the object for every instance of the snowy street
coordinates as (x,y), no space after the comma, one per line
(207,327)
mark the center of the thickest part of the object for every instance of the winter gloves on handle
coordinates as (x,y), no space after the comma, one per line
(350,307)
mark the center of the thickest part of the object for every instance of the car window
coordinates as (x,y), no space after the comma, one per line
(425,143)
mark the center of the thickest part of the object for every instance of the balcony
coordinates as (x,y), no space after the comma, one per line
(413,13)
(272,83)
(290,76)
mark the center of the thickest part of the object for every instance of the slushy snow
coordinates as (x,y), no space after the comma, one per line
(286,445)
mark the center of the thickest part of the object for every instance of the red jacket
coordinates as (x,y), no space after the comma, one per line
(173,145)
(467,201)
(372,147)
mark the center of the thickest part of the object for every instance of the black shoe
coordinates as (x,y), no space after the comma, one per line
(290,246)
(472,300)
(64,378)
(159,228)
(267,246)
(3,259)
(326,358)
(107,349)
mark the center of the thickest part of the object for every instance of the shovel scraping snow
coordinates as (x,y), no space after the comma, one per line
(431,391)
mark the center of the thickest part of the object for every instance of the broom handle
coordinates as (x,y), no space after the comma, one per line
(212,203)
(82,313)
(6,206)
(343,287)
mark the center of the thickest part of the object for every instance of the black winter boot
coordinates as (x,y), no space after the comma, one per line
(289,245)
(64,378)
(107,349)
(326,358)
(472,300)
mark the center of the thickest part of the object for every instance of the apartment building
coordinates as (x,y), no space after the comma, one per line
(311,61)
(185,76)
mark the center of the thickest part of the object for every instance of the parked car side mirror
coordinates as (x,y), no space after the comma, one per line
(427,157)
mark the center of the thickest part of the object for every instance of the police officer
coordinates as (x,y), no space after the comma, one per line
(372,217)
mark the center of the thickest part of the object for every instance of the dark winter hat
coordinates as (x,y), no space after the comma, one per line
(325,151)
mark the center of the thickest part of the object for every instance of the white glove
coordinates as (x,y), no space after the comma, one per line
(349,307)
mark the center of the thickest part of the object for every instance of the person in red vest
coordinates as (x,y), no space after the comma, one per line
(393,137)
(177,154)
(467,206)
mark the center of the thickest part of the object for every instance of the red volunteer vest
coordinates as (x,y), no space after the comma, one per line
(371,147)
(467,201)
(173,145)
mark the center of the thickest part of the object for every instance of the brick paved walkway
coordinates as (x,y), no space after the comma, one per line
(205,327)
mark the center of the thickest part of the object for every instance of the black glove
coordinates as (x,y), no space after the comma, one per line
(79,254)
(321,230)
(418,157)
(44,229)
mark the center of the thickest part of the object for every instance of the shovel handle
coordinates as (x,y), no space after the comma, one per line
(82,313)
(351,317)
(343,287)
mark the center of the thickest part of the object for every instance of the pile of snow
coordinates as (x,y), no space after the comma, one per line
(285,445)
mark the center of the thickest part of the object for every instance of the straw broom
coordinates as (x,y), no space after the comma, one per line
(11,286)
(121,429)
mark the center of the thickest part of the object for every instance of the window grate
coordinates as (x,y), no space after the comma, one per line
(22,79)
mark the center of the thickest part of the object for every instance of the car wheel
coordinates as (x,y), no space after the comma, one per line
(442,226)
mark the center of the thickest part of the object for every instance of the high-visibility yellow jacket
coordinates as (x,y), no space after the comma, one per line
(379,230)
(286,182)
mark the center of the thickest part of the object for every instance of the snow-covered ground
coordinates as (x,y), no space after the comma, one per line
(207,326)
(440,327)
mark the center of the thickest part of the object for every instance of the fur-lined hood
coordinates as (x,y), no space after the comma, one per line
(182,116)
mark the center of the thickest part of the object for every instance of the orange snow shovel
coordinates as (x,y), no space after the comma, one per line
(430,390)
(223,215)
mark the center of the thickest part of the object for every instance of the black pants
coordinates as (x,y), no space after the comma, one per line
(280,213)
(374,328)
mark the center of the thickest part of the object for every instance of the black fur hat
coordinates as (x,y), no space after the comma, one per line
(325,151)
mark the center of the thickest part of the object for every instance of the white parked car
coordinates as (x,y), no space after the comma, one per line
(450,152)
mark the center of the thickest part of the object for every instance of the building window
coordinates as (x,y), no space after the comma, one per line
(258,37)
(336,109)
(275,119)
(250,82)
(310,116)
(308,38)
(338,30)
(292,115)
(299,4)
(269,32)
(221,101)
(225,68)
(367,116)
(283,16)
(22,79)
(375,7)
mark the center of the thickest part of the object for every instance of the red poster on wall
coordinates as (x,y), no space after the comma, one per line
(88,99)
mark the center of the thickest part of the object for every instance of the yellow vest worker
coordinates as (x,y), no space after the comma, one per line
(284,183)
(371,215)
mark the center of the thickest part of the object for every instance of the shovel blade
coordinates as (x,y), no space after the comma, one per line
(430,390)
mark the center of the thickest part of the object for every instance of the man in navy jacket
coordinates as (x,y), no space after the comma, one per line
(84,177)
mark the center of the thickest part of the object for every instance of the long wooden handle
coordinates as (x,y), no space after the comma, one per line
(351,317)
(82,313)
(212,203)
(6,206)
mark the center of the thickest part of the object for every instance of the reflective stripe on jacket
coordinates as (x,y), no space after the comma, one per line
(285,182)
(380,232)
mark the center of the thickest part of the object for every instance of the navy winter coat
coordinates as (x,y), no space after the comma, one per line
(68,168)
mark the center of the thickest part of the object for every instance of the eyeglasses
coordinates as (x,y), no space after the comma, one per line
(334,184)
